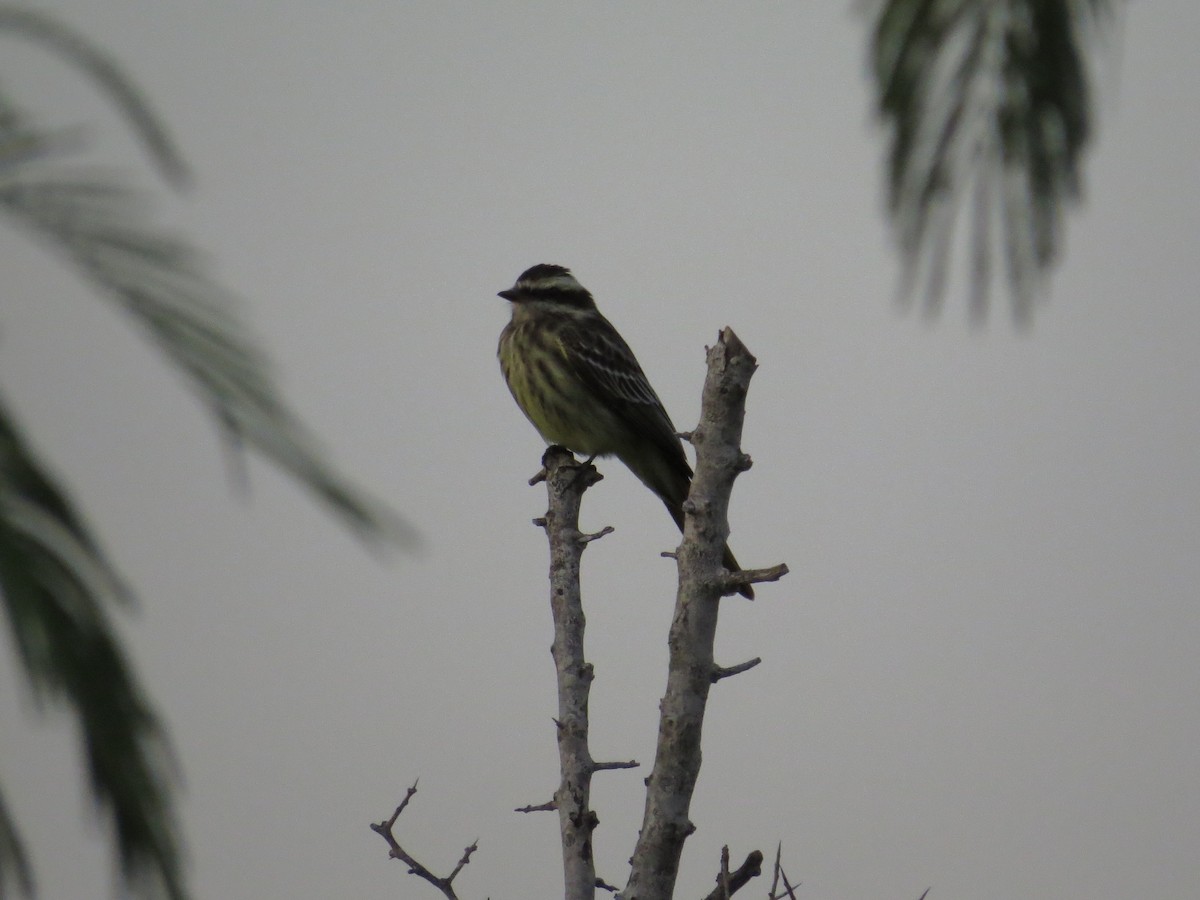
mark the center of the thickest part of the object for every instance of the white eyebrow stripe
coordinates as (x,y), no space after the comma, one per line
(557,282)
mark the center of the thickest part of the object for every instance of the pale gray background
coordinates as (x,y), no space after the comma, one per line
(982,673)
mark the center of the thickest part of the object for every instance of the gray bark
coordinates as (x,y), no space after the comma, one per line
(702,583)
(565,483)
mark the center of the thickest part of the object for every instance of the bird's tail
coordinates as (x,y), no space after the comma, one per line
(670,477)
(727,558)
(731,564)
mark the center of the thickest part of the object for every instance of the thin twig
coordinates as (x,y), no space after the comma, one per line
(775,876)
(791,891)
(720,672)
(588,538)
(603,766)
(735,581)
(466,858)
(549,806)
(384,830)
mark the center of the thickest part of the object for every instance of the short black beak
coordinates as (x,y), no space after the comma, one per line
(509,294)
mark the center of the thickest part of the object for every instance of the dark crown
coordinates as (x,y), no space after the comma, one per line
(549,283)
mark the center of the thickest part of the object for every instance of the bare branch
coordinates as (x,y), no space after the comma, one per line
(665,824)
(788,891)
(788,886)
(588,538)
(408,795)
(384,830)
(566,480)
(603,766)
(720,672)
(775,876)
(466,858)
(548,806)
(737,879)
(733,582)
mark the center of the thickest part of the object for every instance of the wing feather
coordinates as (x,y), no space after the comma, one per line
(603,360)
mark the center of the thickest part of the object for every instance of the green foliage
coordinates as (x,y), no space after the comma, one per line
(104,72)
(14,862)
(989,97)
(57,585)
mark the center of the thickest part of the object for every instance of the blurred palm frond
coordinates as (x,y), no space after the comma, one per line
(56,584)
(988,102)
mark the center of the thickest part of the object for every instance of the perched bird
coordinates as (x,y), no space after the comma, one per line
(580,385)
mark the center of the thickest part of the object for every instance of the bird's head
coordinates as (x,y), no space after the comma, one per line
(546,283)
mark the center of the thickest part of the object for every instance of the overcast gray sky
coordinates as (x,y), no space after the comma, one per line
(981,675)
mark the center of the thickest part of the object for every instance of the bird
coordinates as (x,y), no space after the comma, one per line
(576,380)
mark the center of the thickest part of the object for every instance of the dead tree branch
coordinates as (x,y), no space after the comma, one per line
(789,890)
(738,878)
(771,895)
(384,830)
(702,583)
(720,672)
(619,764)
(548,806)
(566,480)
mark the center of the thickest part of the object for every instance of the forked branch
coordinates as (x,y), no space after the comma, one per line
(729,883)
(385,830)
